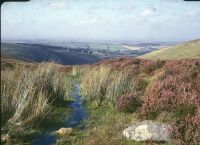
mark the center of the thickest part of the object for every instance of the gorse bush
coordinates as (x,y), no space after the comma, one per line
(28,95)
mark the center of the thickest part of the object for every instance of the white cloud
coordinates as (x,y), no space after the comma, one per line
(88,20)
(193,13)
(123,9)
(147,13)
(58,5)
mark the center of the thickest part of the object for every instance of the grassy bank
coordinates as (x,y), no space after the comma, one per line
(104,126)
(181,51)
(28,96)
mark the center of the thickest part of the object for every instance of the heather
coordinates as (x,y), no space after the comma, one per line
(128,103)
(186,130)
(176,86)
(159,90)
(177,90)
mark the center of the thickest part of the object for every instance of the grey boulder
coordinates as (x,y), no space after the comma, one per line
(148,130)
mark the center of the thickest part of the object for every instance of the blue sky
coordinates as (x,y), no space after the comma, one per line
(145,20)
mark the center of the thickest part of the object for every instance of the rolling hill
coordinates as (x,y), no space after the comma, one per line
(40,53)
(185,50)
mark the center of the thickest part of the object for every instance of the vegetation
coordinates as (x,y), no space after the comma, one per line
(104,126)
(181,51)
(9,62)
(163,90)
(40,53)
(120,91)
(104,85)
(177,85)
(27,96)
(107,81)
(177,90)
(128,103)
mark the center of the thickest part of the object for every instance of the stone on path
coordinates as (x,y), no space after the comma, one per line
(148,130)
(64,131)
(5,137)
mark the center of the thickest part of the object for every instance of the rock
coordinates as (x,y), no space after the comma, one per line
(148,130)
(18,123)
(5,138)
(64,131)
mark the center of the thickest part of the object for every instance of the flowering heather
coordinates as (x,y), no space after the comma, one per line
(177,85)
(128,103)
(187,130)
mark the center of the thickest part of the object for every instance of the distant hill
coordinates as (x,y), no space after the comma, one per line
(186,50)
(40,53)
(10,62)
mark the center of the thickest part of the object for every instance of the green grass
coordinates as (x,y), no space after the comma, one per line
(181,51)
(22,136)
(33,100)
(104,127)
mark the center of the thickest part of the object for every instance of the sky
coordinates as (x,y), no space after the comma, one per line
(118,20)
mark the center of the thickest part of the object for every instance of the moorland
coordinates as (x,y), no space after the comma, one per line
(163,86)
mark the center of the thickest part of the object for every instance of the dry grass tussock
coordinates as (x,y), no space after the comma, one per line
(28,95)
(102,84)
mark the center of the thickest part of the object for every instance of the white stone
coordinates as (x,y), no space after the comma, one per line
(148,130)
(5,137)
(64,131)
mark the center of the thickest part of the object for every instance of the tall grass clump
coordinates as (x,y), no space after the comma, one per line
(28,95)
(102,84)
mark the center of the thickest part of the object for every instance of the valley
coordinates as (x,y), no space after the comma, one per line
(100,72)
(69,53)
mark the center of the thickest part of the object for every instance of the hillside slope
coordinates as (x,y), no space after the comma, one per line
(186,50)
(10,63)
(40,53)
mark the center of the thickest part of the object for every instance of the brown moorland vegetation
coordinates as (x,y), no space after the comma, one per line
(167,91)
(156,87)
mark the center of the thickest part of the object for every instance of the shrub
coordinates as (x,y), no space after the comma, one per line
(176,90)
(186,130)
(175,87)
(150,67)
(27,95)
(128,103)
(140,85)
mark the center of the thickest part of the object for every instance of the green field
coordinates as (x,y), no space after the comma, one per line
(40,53)
(181,51)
